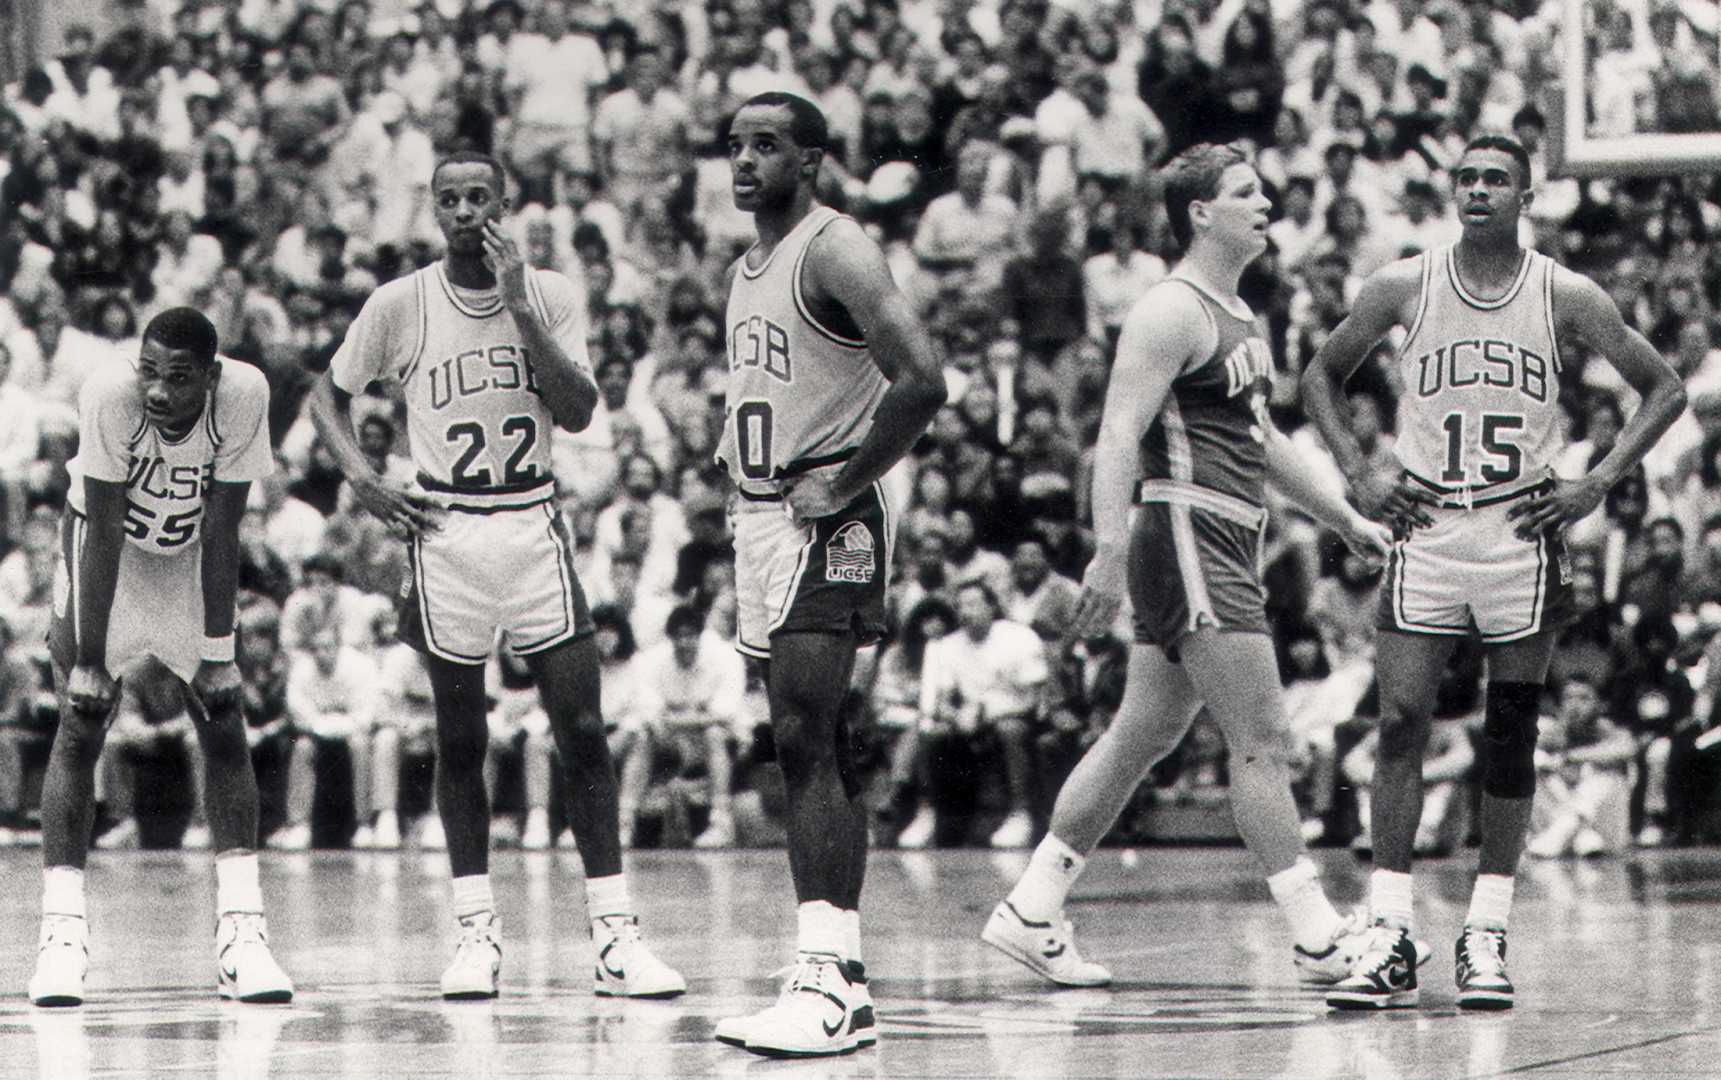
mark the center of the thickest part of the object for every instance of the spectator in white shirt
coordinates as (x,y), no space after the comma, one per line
(1114,279)
(84,95)
(551,78)
(688,693)
(963,237)
(641,134)
(988,676)
(1116,137)
(188,264)
(332,693)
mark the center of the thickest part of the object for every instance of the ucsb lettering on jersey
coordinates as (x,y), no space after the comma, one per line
(1485,375)
(1482,362)
(477,371)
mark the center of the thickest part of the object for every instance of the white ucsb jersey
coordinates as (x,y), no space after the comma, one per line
(166,480)
(479,428)
(801,393)
(1481,377)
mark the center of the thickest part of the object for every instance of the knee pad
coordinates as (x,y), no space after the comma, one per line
(1509,740)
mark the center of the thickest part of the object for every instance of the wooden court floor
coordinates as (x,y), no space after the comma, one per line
(1618,965)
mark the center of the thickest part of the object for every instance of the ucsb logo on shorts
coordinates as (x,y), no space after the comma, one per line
(848,555)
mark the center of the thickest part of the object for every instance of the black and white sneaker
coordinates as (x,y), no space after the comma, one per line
(1482,981)
(1384,976)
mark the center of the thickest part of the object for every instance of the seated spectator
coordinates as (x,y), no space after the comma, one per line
(687,710)
(1583,779)
(405,738)
(893,698)
(269,730)
(1446,766)
(519,739)
(324,600)
(21,733)
(1654,699)
(984,681)
(331,692)
(152,722)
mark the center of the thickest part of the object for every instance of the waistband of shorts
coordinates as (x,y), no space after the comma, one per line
(490,500)
(1476,496)
(1182,493)
(792,469)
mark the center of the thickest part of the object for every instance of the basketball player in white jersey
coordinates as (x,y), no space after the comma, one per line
(491,356)
(831,380)
(168,448)
(1480,520)
(1184,454)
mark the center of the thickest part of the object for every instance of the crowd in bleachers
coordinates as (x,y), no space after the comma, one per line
(268,161)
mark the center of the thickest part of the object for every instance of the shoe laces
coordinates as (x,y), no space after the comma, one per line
(1482,949)
(478,931)
(248,928)
(68,930)
(621,929)
(806,973)
(1381,947)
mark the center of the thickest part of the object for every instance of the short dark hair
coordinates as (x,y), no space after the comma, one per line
(1506,145)
(682,620)
(807,123)
(1194,176)
(473,157)
(184,329)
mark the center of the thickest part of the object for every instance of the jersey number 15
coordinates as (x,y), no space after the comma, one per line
(1505,460)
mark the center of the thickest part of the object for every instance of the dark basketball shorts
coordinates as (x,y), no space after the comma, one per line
(1195,561)
(1470,572)
(504,571)
(824,576)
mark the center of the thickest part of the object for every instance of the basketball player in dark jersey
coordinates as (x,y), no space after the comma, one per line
(1184,453)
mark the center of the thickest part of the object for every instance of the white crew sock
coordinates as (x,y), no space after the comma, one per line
(820,929)
(851,933)
(472,896)
(236,887)
(1390,899)
(1052,872)
(63,891)
(1490,902)
(607,896)
(1297,890)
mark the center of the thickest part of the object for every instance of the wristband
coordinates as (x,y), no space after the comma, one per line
(217,649)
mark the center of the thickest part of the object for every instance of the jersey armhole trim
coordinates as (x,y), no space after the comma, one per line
(1548,311)
(421,327)
(1201,301)
(801,305)
(1427,274)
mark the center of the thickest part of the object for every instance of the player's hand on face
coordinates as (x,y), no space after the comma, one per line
(91,690)
(505,261)
(1389,495)
(1569,502)
(406,511)
(217,684)
(1103,585)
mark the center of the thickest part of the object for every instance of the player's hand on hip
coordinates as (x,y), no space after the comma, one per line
(218,686)
(503,257)
(1103,585)
(91,690)
(1567,502)
(809,499)
(1369,540)
(1390,495)
(406,511)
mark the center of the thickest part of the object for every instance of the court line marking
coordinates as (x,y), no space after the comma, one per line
(1641,1044)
